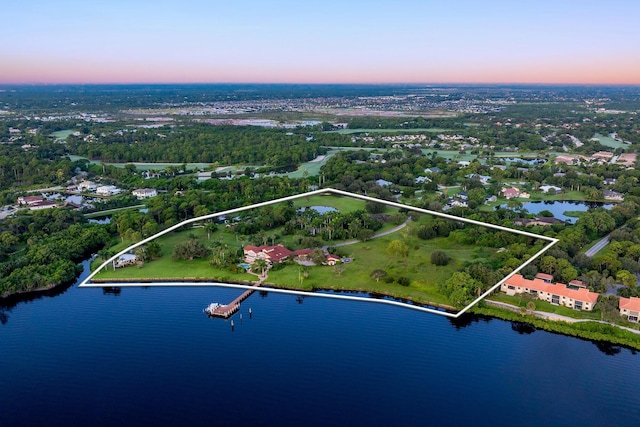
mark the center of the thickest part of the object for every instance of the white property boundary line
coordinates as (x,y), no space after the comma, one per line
(552,241)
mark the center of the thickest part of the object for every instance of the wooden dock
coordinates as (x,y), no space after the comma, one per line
(226,311)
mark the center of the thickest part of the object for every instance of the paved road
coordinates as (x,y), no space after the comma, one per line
(596,248)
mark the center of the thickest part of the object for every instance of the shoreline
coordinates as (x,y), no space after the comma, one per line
(590,330)
(372,294)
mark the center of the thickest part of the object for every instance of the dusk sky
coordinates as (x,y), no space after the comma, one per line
(347,41)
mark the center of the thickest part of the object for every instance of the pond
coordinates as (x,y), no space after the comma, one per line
(320,209)
(559,207)
(525,161)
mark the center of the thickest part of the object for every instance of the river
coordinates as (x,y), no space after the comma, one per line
(147,356)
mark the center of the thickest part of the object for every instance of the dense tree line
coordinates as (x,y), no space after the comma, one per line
(43,163)
(41,249)
(197,143)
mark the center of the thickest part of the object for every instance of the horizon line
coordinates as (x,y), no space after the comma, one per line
(461,83)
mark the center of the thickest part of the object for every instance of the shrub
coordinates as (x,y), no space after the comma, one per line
(403,281)
(439,258)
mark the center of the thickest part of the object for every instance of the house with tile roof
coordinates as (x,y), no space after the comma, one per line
(270,254)
(510,192)
(554,293)
(630,308)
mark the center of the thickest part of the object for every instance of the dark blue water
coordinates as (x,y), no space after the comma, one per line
(558,208)
(149,356)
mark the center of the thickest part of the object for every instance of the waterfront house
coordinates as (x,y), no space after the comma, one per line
(552,188)
(612,195)
(270,254)
(630,308)
(554,293)
(540,220)
(510,193)
(125,260)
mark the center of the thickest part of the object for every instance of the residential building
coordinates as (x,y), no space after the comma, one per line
(271,254)
(540,220)
(630,307)
(143,193)
(612,195)
(627,159)
(29,200)
(332,259)
(547,278)
(605,155)
(510,193)
(554,293)
(87,186)
(125,260)
(44,204)
(107,190)
(553,188)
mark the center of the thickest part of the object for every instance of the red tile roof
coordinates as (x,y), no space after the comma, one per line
(302,252)
(632,303)
(274,253)
(544,276)
(560,289)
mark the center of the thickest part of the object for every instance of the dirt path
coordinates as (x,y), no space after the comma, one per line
(555,317)
(384,233)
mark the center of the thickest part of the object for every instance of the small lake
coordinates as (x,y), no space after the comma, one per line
(525,161)
(320,209)
(558,208)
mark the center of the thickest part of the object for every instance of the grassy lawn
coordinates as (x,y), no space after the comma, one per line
(167,267)
(547,307)
(371,255)
(342,204)
(367,256)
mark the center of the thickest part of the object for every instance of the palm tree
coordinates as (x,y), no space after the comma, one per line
(260,264)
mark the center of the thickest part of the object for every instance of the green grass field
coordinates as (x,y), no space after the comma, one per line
(371,255)
(375,131)
(607,141)
(366,256)
(343,204)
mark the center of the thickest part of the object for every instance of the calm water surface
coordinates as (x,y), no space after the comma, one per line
(149,356)
(558,208)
